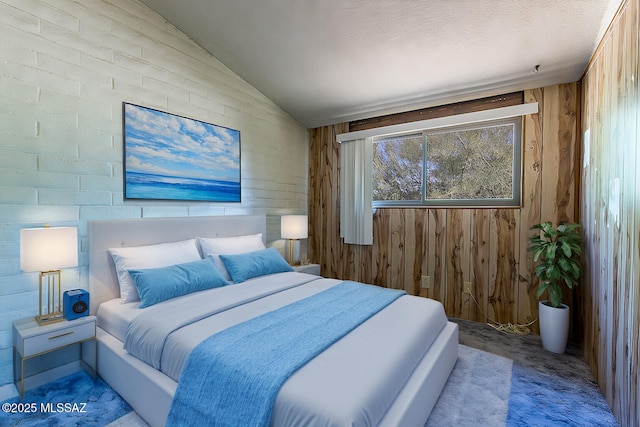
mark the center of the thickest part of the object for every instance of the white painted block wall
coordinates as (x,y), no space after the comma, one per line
(65,69)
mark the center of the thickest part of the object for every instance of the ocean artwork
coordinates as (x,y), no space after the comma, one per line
(169,157)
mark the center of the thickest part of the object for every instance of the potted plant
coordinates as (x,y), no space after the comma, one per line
(558,249)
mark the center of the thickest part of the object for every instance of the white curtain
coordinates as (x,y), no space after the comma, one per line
(356,213)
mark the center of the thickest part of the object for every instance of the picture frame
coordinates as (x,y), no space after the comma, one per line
(171,157)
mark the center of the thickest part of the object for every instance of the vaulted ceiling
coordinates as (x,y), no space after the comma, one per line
(329,61)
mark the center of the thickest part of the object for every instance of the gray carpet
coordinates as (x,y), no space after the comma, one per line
(526,350)
(546,389)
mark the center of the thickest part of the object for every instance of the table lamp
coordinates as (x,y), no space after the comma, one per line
(47,250)
(293,227)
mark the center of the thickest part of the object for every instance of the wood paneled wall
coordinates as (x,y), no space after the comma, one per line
(486,247)
(610,209)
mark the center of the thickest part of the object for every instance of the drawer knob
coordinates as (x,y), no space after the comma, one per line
(61,335)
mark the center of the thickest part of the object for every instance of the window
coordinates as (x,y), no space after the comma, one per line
(472,165)
(397,172)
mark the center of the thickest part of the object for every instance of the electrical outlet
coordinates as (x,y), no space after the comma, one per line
(426,282)
(467,288)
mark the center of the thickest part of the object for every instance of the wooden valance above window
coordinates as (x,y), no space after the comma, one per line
(489,103)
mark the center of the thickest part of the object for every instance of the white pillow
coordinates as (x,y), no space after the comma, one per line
(214,247)
(151,256)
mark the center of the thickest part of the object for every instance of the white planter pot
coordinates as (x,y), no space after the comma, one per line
(554,326)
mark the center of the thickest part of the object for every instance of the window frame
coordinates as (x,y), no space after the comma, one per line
(517,174)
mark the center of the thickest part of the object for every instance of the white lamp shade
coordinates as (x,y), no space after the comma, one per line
(294,227)
(44,249)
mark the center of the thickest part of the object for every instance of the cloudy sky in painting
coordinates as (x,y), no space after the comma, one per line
(164,144)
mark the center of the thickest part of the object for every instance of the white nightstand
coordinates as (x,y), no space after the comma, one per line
(31,340)
(308,268)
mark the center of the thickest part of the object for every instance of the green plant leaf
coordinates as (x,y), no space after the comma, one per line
(540,271)
(541,288)
(553,272)
(565,265)
(551,251)
(569,282)
(576,269)
(538,253)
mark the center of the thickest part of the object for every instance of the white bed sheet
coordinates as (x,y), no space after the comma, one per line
(351,383)
(114,316)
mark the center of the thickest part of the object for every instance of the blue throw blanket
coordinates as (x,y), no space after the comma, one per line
(232,378)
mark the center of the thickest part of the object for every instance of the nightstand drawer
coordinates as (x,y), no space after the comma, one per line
(58,338)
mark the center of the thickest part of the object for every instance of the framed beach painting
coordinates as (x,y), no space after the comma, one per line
(170,157)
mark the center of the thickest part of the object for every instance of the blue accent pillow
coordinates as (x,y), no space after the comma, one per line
(159,284)
(253,264)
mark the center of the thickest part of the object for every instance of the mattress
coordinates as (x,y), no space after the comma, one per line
(114,316)
(350,383)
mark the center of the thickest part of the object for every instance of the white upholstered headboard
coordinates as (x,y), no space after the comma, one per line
(105,234)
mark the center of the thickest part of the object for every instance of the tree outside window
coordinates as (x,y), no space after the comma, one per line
(463,166)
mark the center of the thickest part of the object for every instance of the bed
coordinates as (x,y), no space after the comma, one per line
(357,380)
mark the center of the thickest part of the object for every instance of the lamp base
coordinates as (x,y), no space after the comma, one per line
(50,300)
(46,319)
(292,252)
